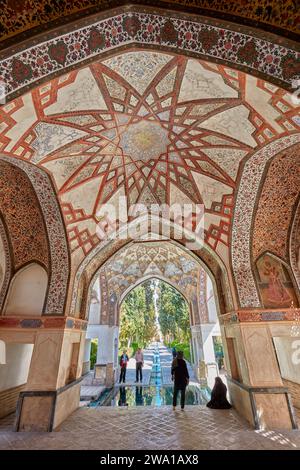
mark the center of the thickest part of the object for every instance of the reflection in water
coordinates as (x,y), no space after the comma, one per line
(155,378)
(122,400)
(156,394)
(149,396)
(139,399)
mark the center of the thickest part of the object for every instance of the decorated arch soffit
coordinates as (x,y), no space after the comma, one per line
(26,19)
(22,217)
(58,249)
(245,206)
(276,208)
(295,245)
(266,56)
(140,261)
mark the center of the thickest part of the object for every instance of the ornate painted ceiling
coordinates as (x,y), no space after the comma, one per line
(153,126)
(30,16)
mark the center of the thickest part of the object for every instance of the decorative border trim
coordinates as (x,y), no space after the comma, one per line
(250,181)
(59,253)
(179,33)
(246,316)
(34,323)
(294,238)
(184,7)
(8,264)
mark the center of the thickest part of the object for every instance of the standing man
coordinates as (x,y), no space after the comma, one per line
(139,357)
(181,379)
(123,364)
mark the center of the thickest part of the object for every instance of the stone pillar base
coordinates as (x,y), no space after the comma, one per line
(104,374)
(86,367)
(45,410)
(263,407)
(202,373)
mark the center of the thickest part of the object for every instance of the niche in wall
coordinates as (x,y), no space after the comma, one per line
(74,362)
(27,291)
(13,375)
(232,356)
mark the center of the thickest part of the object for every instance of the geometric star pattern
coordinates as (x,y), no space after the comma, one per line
(156,127)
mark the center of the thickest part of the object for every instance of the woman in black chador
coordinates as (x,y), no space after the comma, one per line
(218,399)
(181,377)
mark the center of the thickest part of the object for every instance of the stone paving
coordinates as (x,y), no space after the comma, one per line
(150,428)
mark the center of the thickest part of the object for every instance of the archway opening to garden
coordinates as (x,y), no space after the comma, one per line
(156,318)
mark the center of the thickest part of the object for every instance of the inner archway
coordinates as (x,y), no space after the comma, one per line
(138,263)
(157,317)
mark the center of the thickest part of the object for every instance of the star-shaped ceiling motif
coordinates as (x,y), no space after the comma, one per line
(155,127)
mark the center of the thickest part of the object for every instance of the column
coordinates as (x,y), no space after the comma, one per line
(106,364)
(52,391)
(254,379)
(86,356)
(199,364)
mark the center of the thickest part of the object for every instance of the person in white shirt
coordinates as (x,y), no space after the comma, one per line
(139,357)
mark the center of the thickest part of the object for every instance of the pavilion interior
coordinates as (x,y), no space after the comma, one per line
(151,125)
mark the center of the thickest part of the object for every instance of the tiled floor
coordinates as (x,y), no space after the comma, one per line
(151,428)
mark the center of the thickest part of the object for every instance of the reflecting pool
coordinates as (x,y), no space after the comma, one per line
(149,396)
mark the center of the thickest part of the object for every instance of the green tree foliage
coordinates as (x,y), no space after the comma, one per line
(137,319)
(173,315)
(94,347)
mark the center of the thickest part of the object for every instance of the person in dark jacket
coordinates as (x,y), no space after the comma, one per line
(218,399)
(181,377)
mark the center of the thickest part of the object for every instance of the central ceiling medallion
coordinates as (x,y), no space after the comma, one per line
(145,140)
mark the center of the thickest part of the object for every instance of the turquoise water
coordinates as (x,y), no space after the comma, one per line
(156,377)
(156,394)
(149,396)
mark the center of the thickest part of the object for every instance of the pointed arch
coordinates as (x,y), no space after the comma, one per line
(245,203)
(59,253)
